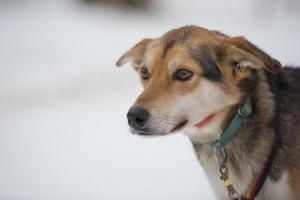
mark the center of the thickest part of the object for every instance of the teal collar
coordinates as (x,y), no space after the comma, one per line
(236,123)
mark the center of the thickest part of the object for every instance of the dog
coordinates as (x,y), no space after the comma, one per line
(198,82)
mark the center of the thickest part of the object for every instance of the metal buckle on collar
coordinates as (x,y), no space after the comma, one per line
(246,109)
(241,113)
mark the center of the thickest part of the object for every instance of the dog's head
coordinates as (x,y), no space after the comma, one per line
(192,79)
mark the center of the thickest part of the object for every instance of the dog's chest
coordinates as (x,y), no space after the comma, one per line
(271,190)
(212,171)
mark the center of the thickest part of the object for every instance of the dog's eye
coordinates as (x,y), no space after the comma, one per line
(182,75)
(145,73)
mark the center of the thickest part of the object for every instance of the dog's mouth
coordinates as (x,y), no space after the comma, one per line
(144,133)
(179,126)
(149,133)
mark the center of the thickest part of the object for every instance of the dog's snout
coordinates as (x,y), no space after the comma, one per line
(137,117)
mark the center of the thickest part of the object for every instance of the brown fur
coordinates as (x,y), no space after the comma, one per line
(239,69)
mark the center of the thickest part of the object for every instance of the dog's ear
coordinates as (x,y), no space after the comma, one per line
(135,54)
(242,53)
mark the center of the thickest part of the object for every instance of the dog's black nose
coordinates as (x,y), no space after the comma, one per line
(137,117)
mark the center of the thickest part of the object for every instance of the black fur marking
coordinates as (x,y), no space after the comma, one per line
(286,90)
(248,85)
(275,172)
(174,37)
(203,56)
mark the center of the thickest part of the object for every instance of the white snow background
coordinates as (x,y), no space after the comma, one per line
(63,103)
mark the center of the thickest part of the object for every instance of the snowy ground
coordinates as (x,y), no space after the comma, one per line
(63,131)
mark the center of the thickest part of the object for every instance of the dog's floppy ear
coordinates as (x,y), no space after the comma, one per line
(240,51)
(135,54)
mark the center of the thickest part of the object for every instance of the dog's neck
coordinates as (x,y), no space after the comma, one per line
(249,150)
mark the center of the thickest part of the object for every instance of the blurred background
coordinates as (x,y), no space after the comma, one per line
(63,129)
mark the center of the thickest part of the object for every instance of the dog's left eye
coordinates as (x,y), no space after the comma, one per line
(182,75)
(145,73)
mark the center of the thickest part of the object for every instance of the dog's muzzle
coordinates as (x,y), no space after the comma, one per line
(137,118)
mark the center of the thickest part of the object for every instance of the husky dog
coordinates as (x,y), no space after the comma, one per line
(195,82)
